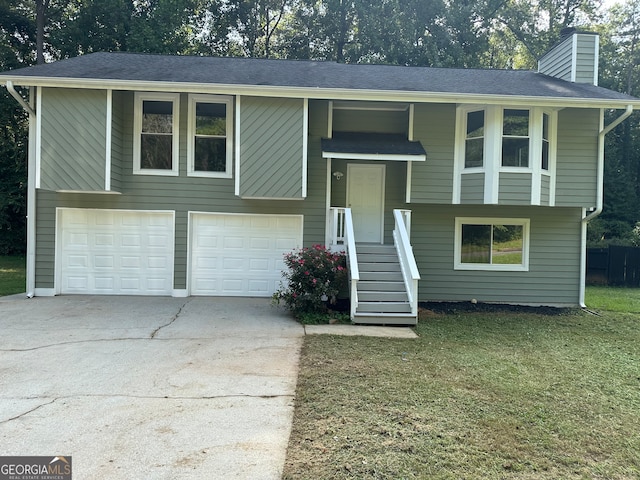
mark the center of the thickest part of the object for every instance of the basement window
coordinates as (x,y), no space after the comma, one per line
(492,244)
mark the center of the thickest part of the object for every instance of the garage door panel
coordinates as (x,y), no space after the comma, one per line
(115,252)
(246,257)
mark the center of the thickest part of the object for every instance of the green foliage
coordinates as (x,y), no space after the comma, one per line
(313,280)
(12,275)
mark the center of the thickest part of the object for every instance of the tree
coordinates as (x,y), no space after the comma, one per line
(16,49)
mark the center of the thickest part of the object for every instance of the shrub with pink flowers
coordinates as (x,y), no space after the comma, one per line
(313,279)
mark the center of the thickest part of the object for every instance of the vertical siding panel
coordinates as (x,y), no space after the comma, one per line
(271,145)
(73,151)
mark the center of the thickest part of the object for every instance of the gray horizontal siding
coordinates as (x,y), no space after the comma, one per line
(586,58)
(545,190)
(514,188)
(318,118)
(557,62)
(434,127)
(370,121)
(472,188)
(554,262)
(577,157)
(73,149)
(271,147)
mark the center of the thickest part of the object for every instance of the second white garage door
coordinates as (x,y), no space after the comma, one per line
(240,255)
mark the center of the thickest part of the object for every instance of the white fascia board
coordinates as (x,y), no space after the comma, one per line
(321,93)
(374,156)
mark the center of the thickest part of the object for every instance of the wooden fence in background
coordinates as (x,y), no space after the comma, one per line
(614,266)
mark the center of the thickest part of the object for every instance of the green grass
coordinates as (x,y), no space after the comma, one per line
(477,396)
(613,299)
(12,275)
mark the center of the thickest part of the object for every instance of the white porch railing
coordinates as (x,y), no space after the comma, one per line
(336,227)
(405,254)
(354,272)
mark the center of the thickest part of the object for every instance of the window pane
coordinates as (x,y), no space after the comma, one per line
(156,152)
(507,245)
(515,152)
(210,155)
(476,244)
(475,124)
(157,117)
(545,126)
(211,119)
(516,123)
(545,155)
(473,153)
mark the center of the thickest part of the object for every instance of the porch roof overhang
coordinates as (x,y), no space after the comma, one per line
(372,146)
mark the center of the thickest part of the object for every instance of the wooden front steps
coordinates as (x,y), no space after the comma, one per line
(382,294)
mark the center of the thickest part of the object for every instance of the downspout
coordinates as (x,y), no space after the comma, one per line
(599,193)
(31,192)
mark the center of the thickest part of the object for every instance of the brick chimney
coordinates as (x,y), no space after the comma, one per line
(573,58)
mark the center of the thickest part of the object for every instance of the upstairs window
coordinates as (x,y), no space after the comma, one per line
(515,138)
(209,151)
(156,134)
(474,142)
(545,141)
(492,244)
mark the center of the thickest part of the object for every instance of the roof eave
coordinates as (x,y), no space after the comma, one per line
(318,93)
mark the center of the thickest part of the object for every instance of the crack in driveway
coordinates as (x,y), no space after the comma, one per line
(75,342)
(175,317)
(28,411)
(140,397)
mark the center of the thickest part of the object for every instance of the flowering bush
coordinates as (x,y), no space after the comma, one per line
(313,279)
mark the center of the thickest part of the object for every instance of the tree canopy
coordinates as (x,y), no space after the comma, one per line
(439,33)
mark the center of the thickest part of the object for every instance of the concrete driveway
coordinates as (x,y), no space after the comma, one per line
(149,388)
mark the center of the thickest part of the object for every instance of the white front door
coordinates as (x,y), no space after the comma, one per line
(365,197)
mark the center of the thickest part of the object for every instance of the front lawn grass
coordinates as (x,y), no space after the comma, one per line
(613,299)
(489,395)
(12,275)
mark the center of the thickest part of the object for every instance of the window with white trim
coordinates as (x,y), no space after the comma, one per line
(521,133)
(515,138)
(546,148)
(474,141)
(155,140)
(209,133)
(492,244)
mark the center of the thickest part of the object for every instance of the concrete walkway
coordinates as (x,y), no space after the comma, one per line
(149,388)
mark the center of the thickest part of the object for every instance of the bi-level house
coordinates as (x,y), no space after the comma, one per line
(177,175)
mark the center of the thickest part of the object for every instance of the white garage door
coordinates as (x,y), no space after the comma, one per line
(240,255)
(115,252)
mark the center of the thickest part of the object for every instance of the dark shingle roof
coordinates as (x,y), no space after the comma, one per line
(373,144)
(310,75)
